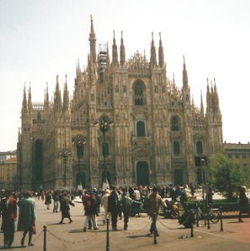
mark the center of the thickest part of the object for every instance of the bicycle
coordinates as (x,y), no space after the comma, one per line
(213,214)
(196,214)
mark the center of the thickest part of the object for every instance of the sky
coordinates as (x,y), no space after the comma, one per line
(42,38)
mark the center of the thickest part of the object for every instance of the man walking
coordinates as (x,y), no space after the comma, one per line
(114,207)
(9,214)
(90,208)
(125,204)
(152,205)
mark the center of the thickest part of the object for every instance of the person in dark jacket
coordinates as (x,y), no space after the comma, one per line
(243,203)
(64,207)
(27,217)
(9,215)
(114,207)
(48,198)
(91,210)
(125,205)
(56,201)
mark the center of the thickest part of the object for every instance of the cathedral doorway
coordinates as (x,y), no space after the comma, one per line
(81,180)
(178,177)
(37,164)
(142,173)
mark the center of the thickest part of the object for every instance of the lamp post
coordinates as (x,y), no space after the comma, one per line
(79,140)
(104,125)
(205,200)
(65,153)
(203,178)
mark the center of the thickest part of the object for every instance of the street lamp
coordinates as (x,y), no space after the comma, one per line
(64,153)
(79,140)
(203,177)
(203,164)
(104,125)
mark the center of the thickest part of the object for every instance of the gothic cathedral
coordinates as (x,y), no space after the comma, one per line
(127,123)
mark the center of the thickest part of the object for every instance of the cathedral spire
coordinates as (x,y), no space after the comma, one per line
(153,53)
(57,96)
(24,105)
(184,74)
(122,51)
(209,103)
(46,96)
(108,60)
(29,98)
(161,53)
(216,97)
(65,96)
(114,51)
(78,70)
(202,107)
(92,42)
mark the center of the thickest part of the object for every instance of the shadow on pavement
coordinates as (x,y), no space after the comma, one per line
(137,236)
(73,231)
(13,247)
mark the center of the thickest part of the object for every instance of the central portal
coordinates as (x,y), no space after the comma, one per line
(142,173)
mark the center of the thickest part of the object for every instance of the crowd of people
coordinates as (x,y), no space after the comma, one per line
(117,202)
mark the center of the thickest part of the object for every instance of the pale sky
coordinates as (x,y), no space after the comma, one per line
(42,38)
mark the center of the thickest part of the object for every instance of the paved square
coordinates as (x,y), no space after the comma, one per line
(236,236)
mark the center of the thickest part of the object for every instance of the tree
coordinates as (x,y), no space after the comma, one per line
(226,175)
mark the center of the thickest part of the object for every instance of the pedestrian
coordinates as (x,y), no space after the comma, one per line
(209,196)
(192,189)
(27,217)
(3,202)
(104,203)
(9,214)
(114,206)
(243,202)
(48,198)
(65,208)
(56,201)
(90,210)
(125,205)
(183,197)
(152,204)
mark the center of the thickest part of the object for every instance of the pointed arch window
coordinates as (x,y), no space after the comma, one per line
(175,123)
(139,93)
(176,147)
(199,147)
(105,149)
(80,150)
(140,128)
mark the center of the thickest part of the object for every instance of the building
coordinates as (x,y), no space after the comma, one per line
(8,170)
(238,152)
(127,123)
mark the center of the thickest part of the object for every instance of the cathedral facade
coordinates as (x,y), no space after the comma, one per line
(127,123)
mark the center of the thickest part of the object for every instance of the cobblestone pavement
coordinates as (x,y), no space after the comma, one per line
(236,236)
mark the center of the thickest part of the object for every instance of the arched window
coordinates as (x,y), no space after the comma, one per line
(139,93)
(199,147)
(176,147)
(80,150)
(175,123)
(140,128)
(105,149)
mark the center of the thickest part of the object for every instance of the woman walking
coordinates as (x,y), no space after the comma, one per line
(27,217)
